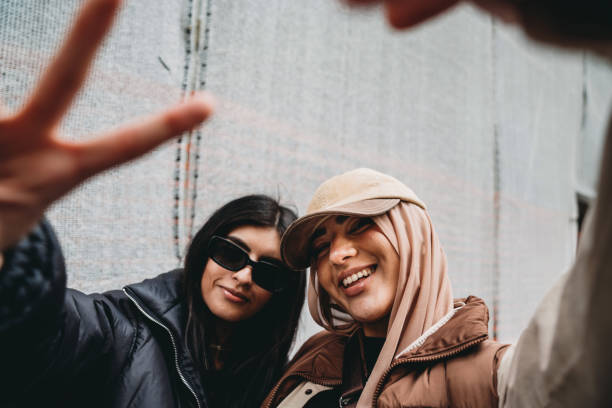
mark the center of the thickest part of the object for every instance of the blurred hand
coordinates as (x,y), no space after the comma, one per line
(408,13)
(560,23)
(36,166)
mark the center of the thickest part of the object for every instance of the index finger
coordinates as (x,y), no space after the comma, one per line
(63,78)
(135,139)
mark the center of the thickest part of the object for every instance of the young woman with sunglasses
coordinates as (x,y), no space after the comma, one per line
(213,334)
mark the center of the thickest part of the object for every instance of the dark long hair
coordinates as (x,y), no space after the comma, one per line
(260,343)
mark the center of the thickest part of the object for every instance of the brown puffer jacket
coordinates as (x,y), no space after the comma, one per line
(455,366)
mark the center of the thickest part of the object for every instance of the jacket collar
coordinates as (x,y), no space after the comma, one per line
(334,359)
(161,299)
(458,330)
(465,324)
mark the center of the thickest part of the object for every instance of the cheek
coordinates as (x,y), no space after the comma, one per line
(262,297)
(390,279)
(380,246)
(210,274)
(324,277)
(393,266)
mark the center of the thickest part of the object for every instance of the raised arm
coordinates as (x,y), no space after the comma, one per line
(563,358)
(46,336)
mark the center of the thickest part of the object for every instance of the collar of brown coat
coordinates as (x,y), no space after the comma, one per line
(337,360)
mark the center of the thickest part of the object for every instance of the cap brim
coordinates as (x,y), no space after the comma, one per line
(295,243)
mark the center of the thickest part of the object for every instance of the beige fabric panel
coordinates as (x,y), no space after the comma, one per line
(483,126)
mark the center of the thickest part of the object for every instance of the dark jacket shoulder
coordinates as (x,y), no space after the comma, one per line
(61,347)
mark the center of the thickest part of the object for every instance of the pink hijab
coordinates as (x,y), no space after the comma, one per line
(424,294)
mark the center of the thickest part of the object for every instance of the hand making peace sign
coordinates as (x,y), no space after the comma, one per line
(36,166)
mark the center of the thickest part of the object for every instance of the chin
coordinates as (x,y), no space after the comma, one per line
(230,317)
(367,316)
(227,314)
(368,319)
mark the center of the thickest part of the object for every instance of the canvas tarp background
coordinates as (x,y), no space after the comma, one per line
(495,133)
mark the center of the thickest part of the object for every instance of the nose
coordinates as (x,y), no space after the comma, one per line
(341,249)
(243,276)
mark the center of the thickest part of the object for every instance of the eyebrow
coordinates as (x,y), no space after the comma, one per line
(239,242)
(340,219)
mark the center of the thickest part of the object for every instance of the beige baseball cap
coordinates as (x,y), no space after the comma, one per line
(361,192)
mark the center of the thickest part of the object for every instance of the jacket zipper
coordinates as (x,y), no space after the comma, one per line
(178,369)
(304,376)
(409,360)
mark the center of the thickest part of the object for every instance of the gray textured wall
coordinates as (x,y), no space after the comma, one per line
(496,134)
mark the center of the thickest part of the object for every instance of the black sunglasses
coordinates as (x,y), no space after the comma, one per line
(270,274)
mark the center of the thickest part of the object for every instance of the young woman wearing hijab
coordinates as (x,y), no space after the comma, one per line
(214,334)
(379,285)
(562,357)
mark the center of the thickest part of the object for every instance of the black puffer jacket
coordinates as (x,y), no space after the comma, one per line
(60,347)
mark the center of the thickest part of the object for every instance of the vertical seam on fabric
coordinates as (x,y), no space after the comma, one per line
(496,183)
(176,216)
(187,158)
(200,85)
(583,118)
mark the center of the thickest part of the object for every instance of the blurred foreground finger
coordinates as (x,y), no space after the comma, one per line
(65,75)
(361,2)
(407,13)
(133,140)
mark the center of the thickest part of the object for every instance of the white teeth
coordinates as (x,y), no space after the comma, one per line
(356,276)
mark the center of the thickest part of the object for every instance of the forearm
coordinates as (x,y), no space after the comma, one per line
(32,290)
(32,279)
(562,358)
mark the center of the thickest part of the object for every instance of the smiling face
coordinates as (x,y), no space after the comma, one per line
(358,267)
(232,296)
